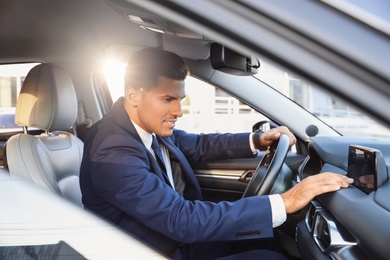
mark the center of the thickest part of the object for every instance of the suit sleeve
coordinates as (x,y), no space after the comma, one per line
(213,146)
(122,175)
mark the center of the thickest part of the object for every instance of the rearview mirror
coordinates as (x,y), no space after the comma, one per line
(231,62)
(262,125)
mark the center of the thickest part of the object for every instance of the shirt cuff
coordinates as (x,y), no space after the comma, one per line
(252,145)
(278,210)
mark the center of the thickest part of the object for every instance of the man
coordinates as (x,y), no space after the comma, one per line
(159,200)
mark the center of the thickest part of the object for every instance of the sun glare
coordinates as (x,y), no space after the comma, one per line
(114,73)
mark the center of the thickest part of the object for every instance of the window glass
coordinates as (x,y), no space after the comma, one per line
(11,80)
(208,109)
(333,111)
(114,73)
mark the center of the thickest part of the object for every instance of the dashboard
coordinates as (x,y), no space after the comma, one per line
(352,223)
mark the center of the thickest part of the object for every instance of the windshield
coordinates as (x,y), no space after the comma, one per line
(343,118)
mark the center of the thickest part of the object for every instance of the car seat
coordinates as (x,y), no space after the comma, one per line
(47,101)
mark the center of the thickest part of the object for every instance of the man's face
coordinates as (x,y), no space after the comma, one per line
(159,108)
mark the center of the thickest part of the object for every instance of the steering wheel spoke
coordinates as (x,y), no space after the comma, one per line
(272,162)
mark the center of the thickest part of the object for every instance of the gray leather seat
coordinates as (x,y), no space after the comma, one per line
(52,160)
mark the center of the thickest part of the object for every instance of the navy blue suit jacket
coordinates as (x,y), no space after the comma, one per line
(121,181)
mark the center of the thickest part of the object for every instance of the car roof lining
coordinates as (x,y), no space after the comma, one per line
(91,33)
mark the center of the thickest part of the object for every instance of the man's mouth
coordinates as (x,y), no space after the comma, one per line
(170,122)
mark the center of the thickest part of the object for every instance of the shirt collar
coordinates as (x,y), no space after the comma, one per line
(145,136)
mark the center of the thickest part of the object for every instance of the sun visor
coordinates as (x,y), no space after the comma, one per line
(199,50)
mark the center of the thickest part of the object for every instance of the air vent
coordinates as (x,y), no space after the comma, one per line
(311,214)
(326,234)
(322,233)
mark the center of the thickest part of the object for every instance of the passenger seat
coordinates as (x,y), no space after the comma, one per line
(52,160)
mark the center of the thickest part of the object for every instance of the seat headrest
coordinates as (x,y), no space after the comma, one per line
(47,99)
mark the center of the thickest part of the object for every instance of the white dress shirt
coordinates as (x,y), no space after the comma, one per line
(147,140)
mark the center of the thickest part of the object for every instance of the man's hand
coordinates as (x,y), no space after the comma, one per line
(299,196)
(267,138)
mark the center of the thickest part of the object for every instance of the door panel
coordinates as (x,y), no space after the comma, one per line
(227,179)
(220,180)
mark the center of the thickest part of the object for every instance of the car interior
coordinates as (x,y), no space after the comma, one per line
(69,43)
(48,102)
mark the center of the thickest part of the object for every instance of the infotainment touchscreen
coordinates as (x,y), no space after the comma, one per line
(362,168)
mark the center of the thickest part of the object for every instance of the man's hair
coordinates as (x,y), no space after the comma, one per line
(147,65)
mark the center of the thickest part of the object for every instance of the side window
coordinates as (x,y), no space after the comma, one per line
(11,81)
(206,108)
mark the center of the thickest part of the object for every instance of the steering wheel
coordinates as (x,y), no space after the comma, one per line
(272,161)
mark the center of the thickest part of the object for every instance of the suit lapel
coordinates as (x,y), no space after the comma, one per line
(122,118)
(192,190)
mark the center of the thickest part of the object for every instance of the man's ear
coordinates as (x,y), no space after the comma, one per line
(131,97)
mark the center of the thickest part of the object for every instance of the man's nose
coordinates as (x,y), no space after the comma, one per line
(177,110)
